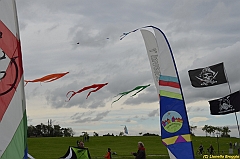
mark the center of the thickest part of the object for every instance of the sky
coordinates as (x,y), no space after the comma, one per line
(83,37)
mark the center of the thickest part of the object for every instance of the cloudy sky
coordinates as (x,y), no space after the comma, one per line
(201,33)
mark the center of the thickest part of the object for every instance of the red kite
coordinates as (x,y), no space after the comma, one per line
(48,78)
(97,86)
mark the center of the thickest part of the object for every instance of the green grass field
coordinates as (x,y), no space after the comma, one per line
(53,148)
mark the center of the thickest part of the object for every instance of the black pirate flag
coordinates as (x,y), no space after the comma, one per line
(225,105)
(208,76)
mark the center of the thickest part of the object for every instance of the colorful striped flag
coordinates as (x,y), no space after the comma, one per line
(13,120)
(175,131)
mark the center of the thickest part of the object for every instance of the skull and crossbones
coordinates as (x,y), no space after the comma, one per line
(224,103)
(207,76)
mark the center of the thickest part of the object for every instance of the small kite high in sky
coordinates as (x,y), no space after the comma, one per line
(78,43)
(48,78)
(139,88)
(97,86)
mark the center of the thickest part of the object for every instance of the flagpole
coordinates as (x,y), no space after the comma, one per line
(230,93)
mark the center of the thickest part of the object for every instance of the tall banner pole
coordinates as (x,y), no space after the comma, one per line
(230,93)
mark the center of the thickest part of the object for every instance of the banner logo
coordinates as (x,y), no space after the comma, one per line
(172,121)
(225,105)
(207,76)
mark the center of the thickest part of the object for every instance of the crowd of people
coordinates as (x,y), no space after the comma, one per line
(140,154)
(210,149)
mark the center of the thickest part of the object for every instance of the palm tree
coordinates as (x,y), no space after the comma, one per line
(205,128)
(219,129)
(192,128)
(211,130)
(225,131)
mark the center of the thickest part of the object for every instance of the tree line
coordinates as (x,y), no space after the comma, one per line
(212,130)
(42,130)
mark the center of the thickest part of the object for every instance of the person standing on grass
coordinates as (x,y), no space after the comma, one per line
(201,149)
(140,154)
(210,149)
(230,145)
(108,155)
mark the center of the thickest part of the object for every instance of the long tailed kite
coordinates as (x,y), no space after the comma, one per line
(139,88)
(47,78)
(97,86)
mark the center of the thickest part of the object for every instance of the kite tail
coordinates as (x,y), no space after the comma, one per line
(117,99)
(99,86)
(143,87)
(137,92)
(50,80)
(116,95)
(56,76)
(91,92)
(26,83)
(73,93)
(95,90)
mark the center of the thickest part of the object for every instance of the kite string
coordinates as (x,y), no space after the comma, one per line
(125,34)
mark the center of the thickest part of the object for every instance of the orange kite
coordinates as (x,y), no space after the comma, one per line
(48,78)
(97,86)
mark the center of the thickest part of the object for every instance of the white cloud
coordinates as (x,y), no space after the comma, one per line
(198,119)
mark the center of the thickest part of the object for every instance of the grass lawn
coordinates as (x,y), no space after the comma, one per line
(53,148)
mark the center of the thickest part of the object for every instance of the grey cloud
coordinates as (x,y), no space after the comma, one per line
(232,126)
(83,120)
(33,93)
(150,97)
(96,104)
(101,116)
(230,57)
(195,109)
(93,37)
(74,115)
(88,117)
(78,115)
(189,109)
(154,113)
(198,109)
(22,26)
(57,98)
(55,26)
(203,34)
(143,118)
(128,120)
